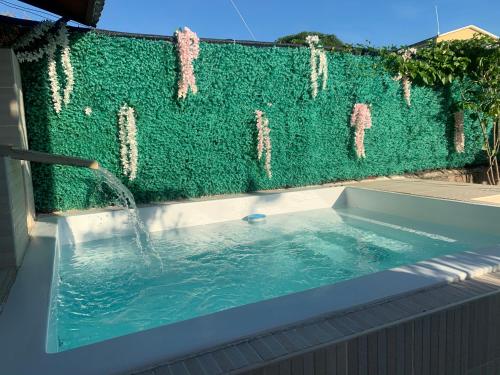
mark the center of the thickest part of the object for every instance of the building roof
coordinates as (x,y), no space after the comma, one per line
(473,27)
(447,34)
(86,12)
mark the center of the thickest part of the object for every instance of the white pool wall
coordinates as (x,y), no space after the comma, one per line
(88,227)
(482,218)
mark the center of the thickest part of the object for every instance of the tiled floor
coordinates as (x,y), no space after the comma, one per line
(438,189)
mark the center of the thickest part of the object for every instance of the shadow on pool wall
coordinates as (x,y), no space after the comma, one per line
(206,144)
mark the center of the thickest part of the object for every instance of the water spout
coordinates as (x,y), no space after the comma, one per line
(46,158)
(125,199)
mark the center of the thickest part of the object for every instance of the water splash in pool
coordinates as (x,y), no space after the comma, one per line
(125,199)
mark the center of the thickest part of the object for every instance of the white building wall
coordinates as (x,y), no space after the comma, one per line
(17,210)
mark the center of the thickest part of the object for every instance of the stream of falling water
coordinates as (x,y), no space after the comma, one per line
(125,199)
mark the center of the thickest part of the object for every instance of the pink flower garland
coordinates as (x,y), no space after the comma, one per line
(361,118)
(188,46)
(264,140)
(459,132)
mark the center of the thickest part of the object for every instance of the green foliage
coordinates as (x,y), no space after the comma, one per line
(326,40)
(206,144)
(475,65)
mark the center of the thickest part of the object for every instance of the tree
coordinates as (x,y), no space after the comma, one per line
(474,65)
(326,40)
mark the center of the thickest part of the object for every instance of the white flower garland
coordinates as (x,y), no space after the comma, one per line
(49,49)
(128,142)
(36,32)
(54,83)
(66,64)
(317,53)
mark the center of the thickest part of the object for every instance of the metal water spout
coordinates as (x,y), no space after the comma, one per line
(46,158)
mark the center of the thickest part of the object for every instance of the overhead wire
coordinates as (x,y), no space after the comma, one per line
(243,20)
(34,12)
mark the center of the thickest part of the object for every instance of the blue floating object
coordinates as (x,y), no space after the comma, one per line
(254,218)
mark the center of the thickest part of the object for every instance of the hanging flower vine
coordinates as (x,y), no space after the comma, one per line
(361,119)
(37,32)
(319,64)
(264,140)
(188,47)
(128,142)
(406,55)
(459,132)
(59,39)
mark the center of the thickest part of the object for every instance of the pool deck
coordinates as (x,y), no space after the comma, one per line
(474,193)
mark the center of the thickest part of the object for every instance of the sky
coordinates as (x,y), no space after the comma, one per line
(377,22)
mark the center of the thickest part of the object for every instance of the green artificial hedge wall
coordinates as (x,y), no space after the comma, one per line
(206,144)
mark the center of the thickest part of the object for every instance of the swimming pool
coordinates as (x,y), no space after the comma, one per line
(85,292)
(106,289)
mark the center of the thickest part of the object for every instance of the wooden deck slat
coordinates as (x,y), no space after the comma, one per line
(442,343)
(391,351)
(285,367)
(352,357)
(296,339)
(222,360)
(372,354)
(417,345)
(382,352)
(363,355)
(312,334)
(262,349)
(483,285)
(342,359)
(434,345)
(341,325)
(457,345)
(408,346)
(320,362)
(330,330)
(272,369)
(331,361)
(208,364)
(369,318)
(400,349)
(236,356)
(464,354)
(165,370)
(179,368)
(308,364)
(249,353)
(297,366)
(193,367)
(450,341)
(274,345)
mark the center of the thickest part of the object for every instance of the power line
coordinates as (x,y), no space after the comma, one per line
(28,10)
(243,19)
(437,18)
(37,10)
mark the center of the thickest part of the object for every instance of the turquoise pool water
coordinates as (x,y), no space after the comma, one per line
(105,289)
